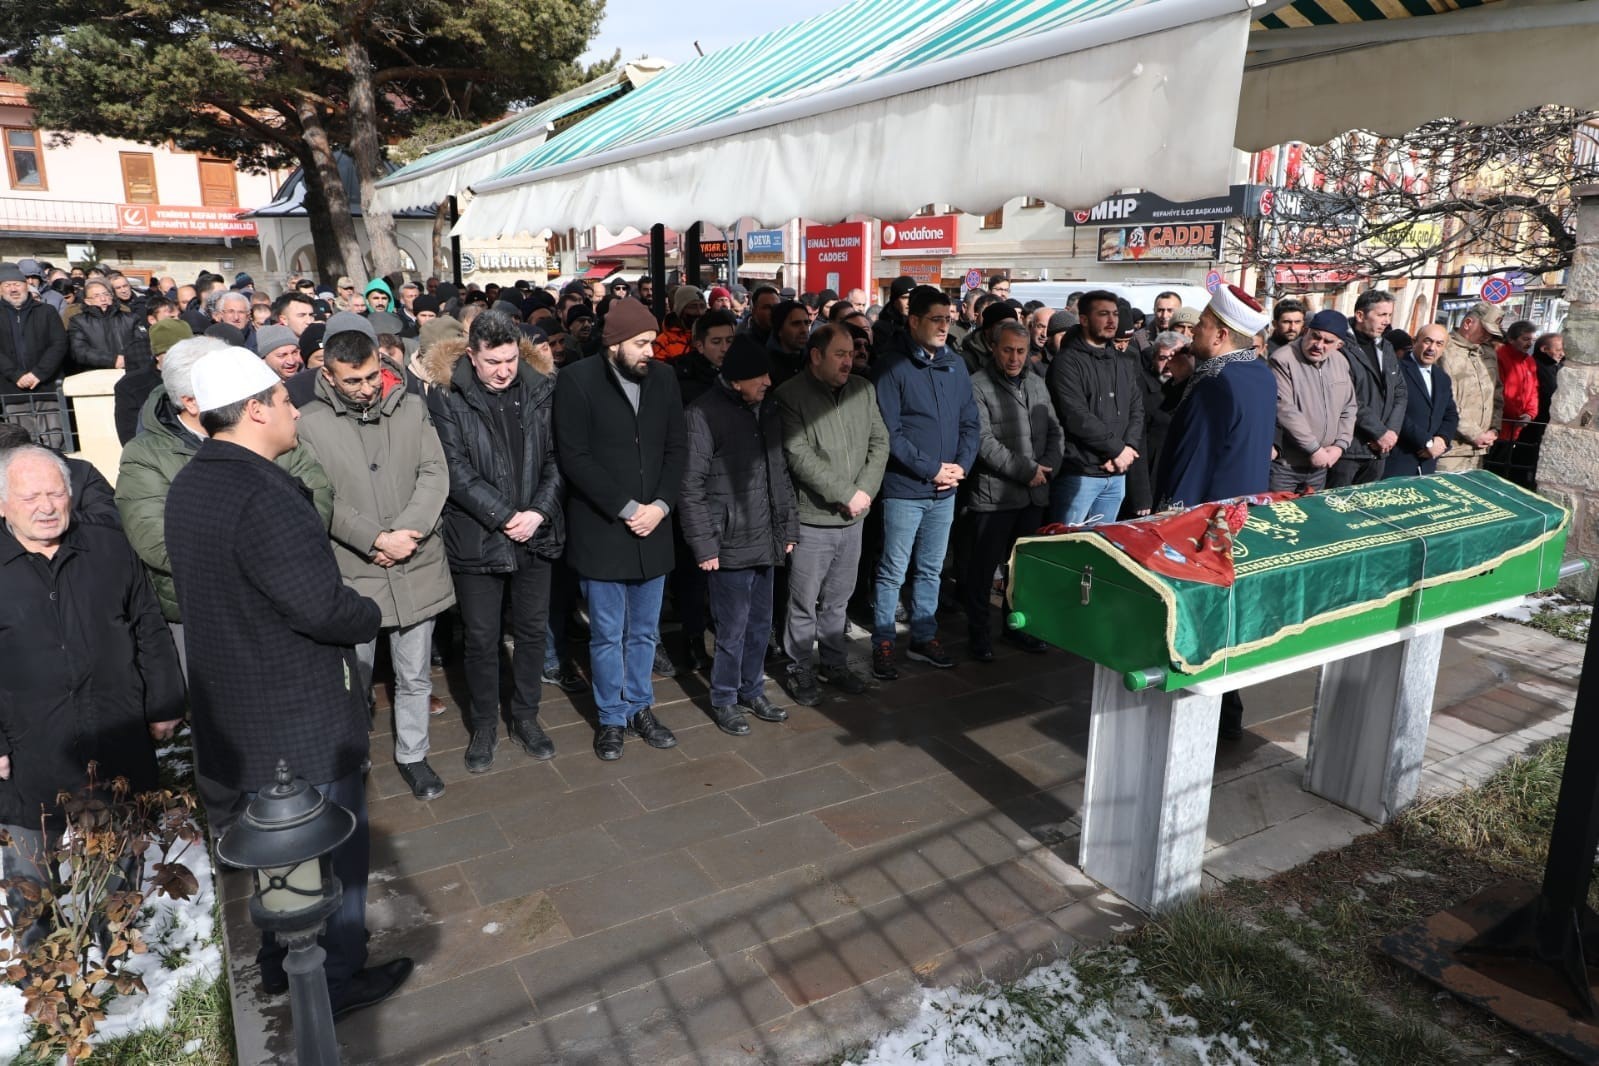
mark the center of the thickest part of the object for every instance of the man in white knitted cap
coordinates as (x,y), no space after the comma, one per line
(271,630)
(1220,441)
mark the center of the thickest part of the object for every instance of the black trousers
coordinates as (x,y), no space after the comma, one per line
(1356,471)
(1515,461)
(687,584)
(989,537)
(482,599)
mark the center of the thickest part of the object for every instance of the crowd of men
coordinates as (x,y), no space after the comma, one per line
(307,474)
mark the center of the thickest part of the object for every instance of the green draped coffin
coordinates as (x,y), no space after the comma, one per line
(1310,573)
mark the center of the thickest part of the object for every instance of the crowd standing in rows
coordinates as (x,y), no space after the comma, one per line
(307,474)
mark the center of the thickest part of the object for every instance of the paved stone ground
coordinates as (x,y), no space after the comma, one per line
(780,897)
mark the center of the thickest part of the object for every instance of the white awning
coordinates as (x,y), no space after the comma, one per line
(763,271)
(449,168)
(1374,68)
(877,109)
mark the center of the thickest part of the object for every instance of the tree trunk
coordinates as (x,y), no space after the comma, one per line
(330,262)
(441,242)
(325,172)
(365,147)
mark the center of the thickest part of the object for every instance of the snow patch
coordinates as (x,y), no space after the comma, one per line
(492,929)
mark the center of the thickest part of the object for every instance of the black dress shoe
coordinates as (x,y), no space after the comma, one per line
(730,721)
(480,750)
(764,709)
(533,739)
(644,726)
(425,784)
(608,742)
(274,982)
(372,985)
(980,647)
(664,666)
(1027,642)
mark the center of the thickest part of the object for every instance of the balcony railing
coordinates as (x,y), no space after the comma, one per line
(73,216)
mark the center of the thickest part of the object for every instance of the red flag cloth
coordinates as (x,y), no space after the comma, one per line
(1195,544)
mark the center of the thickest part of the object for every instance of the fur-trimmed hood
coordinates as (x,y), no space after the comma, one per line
(435,364)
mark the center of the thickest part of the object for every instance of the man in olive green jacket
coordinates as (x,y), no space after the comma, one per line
(836,445)
(170,436)
(369,428)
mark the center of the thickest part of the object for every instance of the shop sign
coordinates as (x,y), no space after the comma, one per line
(1197,242)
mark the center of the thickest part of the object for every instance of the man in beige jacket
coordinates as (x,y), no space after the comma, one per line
(1316,404)
(1473,369)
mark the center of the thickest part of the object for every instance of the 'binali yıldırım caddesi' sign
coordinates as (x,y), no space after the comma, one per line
(1185,242)
(838,257)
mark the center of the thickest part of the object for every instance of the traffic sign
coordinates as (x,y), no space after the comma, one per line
(1213,281)
(974,278)
(1496,290)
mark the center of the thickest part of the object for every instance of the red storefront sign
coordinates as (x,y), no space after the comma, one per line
(838,257)
(165,221)
(925,271)
(933,235)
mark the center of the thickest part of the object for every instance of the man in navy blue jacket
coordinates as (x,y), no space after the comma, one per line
(1430,414)
(925,396)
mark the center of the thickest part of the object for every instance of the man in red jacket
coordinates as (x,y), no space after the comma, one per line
(1509,457)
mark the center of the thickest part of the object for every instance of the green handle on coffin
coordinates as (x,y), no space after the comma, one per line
(1016,620)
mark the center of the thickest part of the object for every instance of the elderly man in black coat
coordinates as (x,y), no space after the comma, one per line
(1431,417)
(619,440)
(740,521)
(90,673)
(271,631)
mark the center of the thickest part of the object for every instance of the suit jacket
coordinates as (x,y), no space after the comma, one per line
(1380,391)
(1426,417)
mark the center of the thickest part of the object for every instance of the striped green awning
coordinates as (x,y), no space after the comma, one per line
(1303,13)
(861,41)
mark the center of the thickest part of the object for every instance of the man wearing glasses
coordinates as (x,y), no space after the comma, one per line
(925,395)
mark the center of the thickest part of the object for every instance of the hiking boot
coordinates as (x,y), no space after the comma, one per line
(800,684)
(842,677)
(534,740)
(480,750)
(608,742)
(730,720)
(764,709)
(424,783)
(664,666)
(883,667)
(644,726)
(932,653)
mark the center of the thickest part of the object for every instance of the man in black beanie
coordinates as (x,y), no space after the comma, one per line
(736,469)
(892,321)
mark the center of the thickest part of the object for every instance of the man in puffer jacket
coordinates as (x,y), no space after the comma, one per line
(740,521)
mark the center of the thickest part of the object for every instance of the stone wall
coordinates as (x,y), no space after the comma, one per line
(1568,462)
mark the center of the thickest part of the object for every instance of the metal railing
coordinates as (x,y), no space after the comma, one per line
(88,216)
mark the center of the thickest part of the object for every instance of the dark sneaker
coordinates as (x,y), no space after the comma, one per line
(764,709)
(534,740)
(980,647)
(608,742)
(644,726)
(425,784)
(883,667)
(932,653)
(566,678)
(842,677)
(664,666)
(730,720)
(1027,642)
(480,751)
(371,985)
(696,656)
(800,684)
(901,615)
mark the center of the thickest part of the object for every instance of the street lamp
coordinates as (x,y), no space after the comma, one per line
(286,836)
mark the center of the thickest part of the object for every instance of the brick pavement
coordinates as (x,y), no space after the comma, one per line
(779,897)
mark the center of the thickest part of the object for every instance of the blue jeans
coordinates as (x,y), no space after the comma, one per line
(624,623)
(915,532)
(741,603)
(1076,498)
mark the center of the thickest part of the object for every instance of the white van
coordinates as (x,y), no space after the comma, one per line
(1141,294)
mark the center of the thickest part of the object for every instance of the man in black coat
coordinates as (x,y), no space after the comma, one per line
(1379,390)
(619,439)
(90,672)
(271,631)
(740,522)
(33,349)
(1430,415)
(1099,401)
(503,526)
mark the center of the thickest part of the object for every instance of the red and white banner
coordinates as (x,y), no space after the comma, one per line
(933,235)
(166,221)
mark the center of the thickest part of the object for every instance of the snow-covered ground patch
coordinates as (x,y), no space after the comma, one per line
(1056,1014)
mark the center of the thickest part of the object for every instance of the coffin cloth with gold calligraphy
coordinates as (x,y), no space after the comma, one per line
(1296,563)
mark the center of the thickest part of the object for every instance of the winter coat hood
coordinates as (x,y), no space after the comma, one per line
(436,363)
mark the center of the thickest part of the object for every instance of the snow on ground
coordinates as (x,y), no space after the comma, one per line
(1054,1015)
(1530,606)
(181,936)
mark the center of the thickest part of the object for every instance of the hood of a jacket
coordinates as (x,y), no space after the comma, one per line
(944,357)
(160,417)
(1077,341)
(438,361)
(327,394)
(378,286)
(463,379)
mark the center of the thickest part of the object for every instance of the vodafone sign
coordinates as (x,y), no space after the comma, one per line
(933,235)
